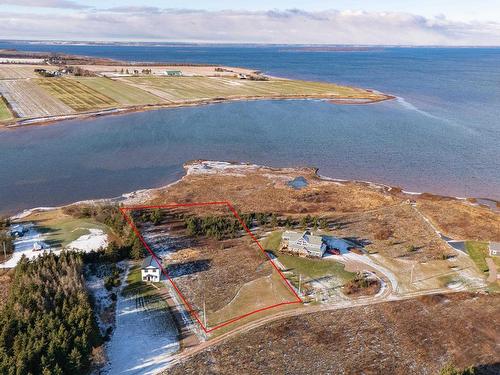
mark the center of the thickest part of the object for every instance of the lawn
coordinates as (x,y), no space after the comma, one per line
(76,95)
(273,241)
(119,91)
(314,268)
(60,229)
(478,251)
(5,113)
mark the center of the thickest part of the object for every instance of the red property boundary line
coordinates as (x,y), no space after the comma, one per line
(195,315)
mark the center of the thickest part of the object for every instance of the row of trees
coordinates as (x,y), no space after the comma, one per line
(221,227)
(47,325)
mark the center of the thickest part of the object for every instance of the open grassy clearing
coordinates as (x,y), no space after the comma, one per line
(60,229)
(76,95)
(29,100)
(5,113)
(197,88)
(256,294)
(314,268)
(478,251)
(119,91)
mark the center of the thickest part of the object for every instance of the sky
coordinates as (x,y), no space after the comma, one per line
(363,22)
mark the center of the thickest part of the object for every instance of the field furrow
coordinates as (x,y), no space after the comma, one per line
(28,100)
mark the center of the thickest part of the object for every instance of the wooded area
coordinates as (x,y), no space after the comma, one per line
(47,325)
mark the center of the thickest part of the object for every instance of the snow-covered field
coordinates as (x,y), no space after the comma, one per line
(144,339)
(95,240)
(24,246)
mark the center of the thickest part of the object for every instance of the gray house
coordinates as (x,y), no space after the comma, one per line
(495,249)
(304,244)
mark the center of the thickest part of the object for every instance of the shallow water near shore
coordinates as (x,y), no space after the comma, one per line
(441,135)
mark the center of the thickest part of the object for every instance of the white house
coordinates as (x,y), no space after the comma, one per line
(150,271)
(303,243)
(495,249)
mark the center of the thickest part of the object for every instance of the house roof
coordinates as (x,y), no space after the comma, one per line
(149,262)
(495,246)
(306,235)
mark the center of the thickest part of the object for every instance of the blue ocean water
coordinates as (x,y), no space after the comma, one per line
(442,134)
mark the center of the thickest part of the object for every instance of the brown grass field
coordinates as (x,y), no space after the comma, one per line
(417,336)
(230,277)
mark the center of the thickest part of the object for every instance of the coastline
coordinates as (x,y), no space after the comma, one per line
(47,120)
(211,166)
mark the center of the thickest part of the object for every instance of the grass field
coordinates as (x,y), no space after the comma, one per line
(314,268)
(119,91)
(5,113)
(76,95)
(195,88)
(60,229)
(478,251)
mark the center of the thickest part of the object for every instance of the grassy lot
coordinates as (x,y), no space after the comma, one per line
(193,88)
(257,294)
(5,113)
(314,268)
(61,229)
(119,91)
(76,95)
(478,251)
(273,241)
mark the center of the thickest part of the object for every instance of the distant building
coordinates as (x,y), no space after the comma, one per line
(17,230)
(38,246)
(304,244)
(150,271)
(173,73)
(494,249)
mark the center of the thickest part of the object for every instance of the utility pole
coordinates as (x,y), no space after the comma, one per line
(4,251)
(204,314)
(300,281)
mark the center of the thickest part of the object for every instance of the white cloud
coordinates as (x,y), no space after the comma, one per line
(274,26)
(68,4)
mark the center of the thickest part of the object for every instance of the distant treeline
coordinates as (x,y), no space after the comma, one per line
(48,326)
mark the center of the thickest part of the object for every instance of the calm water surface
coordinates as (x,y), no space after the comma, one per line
(441,135)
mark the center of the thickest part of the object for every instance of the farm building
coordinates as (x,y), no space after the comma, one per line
(173,73)
(150,271)
(495,249)
(304,244)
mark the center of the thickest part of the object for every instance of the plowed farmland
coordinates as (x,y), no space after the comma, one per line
(119,91)
(16,71)
(197,88)
(76,95)
(29,100)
